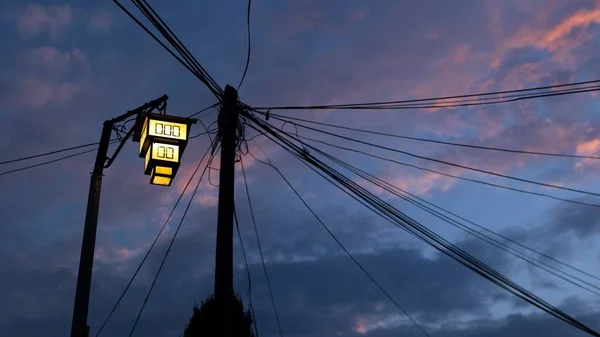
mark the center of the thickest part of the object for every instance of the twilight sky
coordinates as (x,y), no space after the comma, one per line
(69,65)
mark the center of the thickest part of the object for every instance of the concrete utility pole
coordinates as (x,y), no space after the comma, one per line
(228,120)
(79,327)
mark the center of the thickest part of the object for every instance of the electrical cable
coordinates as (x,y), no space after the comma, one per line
(49,153)
(577,202)
(53,160)
(398,104)
(216,91)
(237,226)
(450,163)
(469,221)
(137,319)
(249,44)
(162,228)
(203,110)
(81,146)
(166,31)
(280,117)
(401,220)
(262,258)
(139,23)
(360,266)
(393,190)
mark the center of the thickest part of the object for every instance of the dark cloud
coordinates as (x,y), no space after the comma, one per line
(305,52)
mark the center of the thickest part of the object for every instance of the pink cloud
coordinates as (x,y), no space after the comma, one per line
(359,15)
(100,21)
(36,19)
(113,254)
(49,58)
(589,147)
(33,92)
(48,74)
(423,183)
(561,31)
(561,39)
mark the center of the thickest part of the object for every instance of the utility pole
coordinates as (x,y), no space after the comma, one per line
(228,120)
(79,327)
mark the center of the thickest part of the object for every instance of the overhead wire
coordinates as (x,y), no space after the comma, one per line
(339,243)
(249,45)
(426,235)
(262,257)
(139,23)
(401,220)
(112,141)
(149,250)
(485,183)
(166,31)
(405,104)
(162,263)
(53,160)
(207,80)
(411,198)
(245,257)
(448,163)
(201,111)
(49,153)
(473,146)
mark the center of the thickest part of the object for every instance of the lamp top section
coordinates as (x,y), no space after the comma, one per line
(141,119)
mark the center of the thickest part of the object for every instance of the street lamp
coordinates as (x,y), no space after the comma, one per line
(162,141)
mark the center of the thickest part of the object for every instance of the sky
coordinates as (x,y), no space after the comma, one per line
(69,65)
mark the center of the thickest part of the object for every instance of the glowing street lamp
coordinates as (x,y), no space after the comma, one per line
(162,139)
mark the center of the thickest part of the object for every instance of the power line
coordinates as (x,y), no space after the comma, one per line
(81,146)
(398,104)
(262,258)
(245,257)
(162,228)
(48,153)
(249,44)
(572,201)
(393,189)
(162,263)
(164,29)
(199,72)
(203,110)
(402,221)
(51,161)
(449,163)
(341,245)
(284,118)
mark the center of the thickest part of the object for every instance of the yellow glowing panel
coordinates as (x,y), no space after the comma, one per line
(159,180)
(165,152)
(164,129)
(147,159)
(143,137)
(163,170)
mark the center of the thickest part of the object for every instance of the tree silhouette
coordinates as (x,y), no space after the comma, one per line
(205,319)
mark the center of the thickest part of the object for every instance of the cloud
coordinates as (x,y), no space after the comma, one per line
(36,19)
(330,53)
(46,75)
(100,21)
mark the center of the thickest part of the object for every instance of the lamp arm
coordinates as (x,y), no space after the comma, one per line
(152,104)
(147,106)
(121,144)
